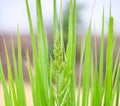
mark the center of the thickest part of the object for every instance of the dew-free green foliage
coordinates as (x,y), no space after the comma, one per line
(15,90)
(53,81)
(87,68)
(109,62)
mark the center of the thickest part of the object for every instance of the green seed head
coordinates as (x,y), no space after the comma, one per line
(58,63)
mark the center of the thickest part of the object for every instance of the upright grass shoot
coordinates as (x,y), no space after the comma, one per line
(87,68)
(10,80)
(80,72)
(7,98)
(71,50)
(101,59)
(41,63)
(109,64)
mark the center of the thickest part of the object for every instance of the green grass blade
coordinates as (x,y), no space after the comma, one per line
(42,66)
(74,19)
(31,77)
(43,54)
(118,88)
(55,19)
(115,84)
(109,63)
(35,58)
(39,89)
(52,101)
(80,75)
(95,87)
(71,50)
(34,49)
(42,42)
(74,53)
(115,67)
(61,29)
(95,90)
(87,65)
(7,98)
(101,55)
(70,32)
(101,61)
(10,79)
(92,78)
(61,23)
(15,73)
(20,72)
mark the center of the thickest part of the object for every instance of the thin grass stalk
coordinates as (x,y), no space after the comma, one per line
(7,98)
(40,74)
(32,35)
(80,71)
(109,62)
(87,65)
(118,87)
(92,78)
(115,85)
(101,60)
(42,50)
(71,53)
(31,77)
(61,25)
(95,88)
(52,101)
(101,54)
(74,54)
(55,19)
(115,67)
(15,73)
(10,79)
(20,72)
(61,29)
(35,54)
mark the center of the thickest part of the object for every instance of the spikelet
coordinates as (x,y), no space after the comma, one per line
(58,63)
(58,66)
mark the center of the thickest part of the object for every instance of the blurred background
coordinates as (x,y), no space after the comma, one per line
(13,13)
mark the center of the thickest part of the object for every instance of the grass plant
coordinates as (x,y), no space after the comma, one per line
(53,81)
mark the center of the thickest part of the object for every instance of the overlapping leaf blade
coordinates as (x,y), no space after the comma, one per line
(87,67)
(109,64)
(71,50)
